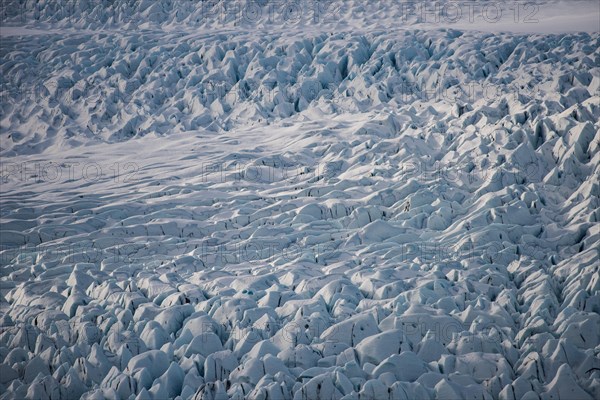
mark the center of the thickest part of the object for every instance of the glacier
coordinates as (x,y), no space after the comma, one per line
(299,200)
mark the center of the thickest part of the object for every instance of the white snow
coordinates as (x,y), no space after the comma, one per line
(309,200)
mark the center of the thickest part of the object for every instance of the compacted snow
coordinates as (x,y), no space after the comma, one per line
(351,202)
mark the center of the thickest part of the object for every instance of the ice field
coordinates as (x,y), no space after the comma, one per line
(355,200)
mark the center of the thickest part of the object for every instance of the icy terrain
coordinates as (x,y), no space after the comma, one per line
(325,201)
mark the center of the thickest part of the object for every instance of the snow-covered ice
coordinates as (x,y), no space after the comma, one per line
(305,200)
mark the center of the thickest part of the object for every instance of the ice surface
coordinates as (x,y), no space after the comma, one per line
(341,206)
